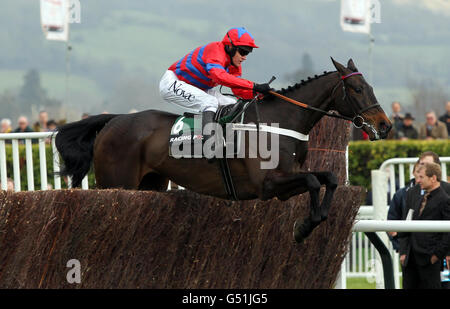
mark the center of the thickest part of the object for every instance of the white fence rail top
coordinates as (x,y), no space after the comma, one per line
(407,160)
(27,135)
(402,226)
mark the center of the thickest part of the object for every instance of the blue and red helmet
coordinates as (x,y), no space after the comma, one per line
(239,37)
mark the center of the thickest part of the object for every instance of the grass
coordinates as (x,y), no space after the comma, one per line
(360,283)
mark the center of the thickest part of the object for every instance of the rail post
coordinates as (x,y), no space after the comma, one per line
(379,198)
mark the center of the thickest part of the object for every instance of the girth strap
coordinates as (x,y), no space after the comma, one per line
(270,129)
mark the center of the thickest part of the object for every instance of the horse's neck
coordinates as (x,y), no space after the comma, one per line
(316,93)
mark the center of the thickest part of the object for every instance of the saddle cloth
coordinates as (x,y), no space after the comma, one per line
(185,140)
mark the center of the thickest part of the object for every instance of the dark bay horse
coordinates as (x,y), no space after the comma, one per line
(130,151)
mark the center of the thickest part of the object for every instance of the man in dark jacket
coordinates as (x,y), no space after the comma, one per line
(421,253)
(407,130)
(445,118)
(23,127)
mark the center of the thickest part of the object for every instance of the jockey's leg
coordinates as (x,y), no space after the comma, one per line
(207,132)
(192,99)
(223,99)
(184,96)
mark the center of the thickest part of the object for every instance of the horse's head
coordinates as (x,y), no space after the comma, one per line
(357,101)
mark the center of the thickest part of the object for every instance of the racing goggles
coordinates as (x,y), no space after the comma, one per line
(244,50)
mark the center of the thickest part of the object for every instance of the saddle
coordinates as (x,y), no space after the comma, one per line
(225,114)
(186,132)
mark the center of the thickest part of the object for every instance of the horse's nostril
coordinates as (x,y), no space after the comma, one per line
(384,129)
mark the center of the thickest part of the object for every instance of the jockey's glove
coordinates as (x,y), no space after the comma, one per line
(261,88)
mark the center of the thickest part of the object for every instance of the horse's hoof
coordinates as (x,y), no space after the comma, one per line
(297,234)
(301,230)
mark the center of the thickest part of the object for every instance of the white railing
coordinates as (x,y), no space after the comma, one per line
(18,138)
(401,226)
(41,137)
(359,261)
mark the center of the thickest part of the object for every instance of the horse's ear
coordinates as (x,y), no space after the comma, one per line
(338,66)
(351,66)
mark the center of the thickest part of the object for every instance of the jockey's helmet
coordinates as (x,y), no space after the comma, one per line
(239,37)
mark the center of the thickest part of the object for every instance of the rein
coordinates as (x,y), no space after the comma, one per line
(306,106)
(358,121)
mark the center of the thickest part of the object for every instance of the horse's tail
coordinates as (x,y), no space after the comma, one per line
(75,144)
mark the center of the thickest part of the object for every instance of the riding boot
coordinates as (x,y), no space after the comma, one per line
(207,118)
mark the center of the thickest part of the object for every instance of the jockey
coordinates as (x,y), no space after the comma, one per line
(189,82)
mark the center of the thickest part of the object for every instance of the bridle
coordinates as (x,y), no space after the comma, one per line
(358,120)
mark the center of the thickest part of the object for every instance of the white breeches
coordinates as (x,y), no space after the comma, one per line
(191,98)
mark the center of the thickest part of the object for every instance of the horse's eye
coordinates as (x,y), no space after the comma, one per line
(358,90)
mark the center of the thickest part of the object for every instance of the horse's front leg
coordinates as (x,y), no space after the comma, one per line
(330,181)
(285,186)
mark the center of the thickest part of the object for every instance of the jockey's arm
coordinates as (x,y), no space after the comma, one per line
(241,87)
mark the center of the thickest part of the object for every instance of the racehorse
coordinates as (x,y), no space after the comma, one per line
(130,151)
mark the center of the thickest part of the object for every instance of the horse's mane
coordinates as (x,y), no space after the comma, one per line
(302,83)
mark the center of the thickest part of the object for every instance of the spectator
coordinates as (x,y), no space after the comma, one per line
(6,126)
(416,193)
(446,117)
(9,185)
(396,116)
(432,128)
(397,206)
(51,125)
(41,125)
(407,130)
(431,157)
(421,253)
(23,127)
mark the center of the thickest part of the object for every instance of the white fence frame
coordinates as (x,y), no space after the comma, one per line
(28,137)
(360,263)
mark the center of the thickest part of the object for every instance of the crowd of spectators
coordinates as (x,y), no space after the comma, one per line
(425,197)
(43,124)
(404,126)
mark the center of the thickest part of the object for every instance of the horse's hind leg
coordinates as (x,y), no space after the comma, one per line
(116,175)
(153,181)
